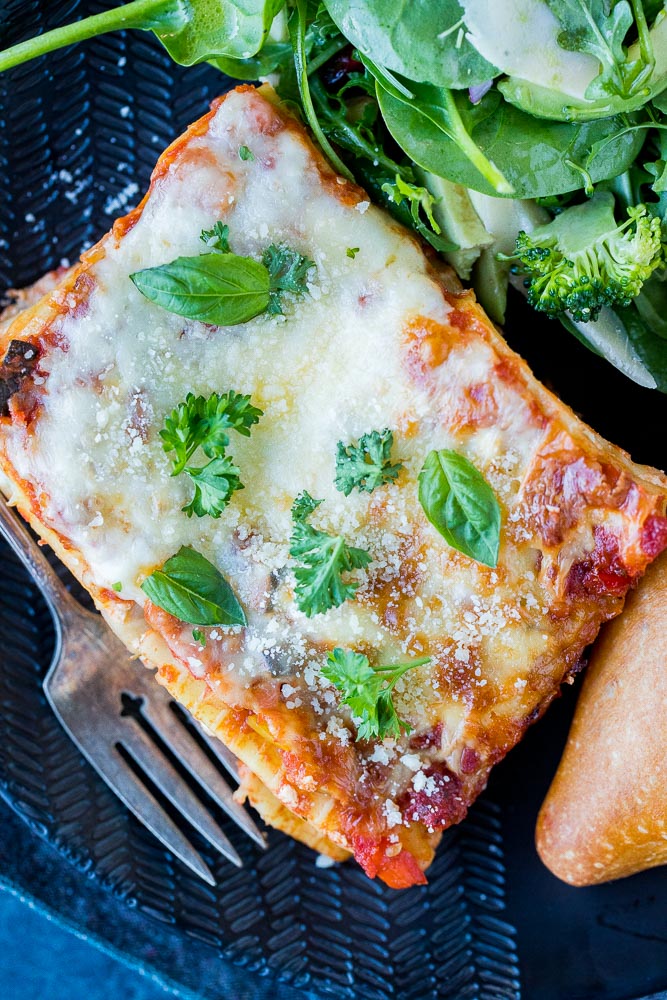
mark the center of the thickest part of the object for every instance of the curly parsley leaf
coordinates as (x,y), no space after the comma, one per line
(288,272)
(204,423)
(216,239)
(192,589)
(320,585)
(215,483)
(368,691)
(367,464)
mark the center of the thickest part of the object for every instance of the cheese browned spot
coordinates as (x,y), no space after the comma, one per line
(379,341)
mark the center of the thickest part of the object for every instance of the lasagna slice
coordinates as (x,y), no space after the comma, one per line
(377,341)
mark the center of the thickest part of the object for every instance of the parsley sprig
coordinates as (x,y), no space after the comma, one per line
(215,483)
(288,272)
(368,691)
(320,585)
(367,464)
(203,423)
(216,239)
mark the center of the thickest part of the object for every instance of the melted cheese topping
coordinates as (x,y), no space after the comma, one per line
(331,369)
(375,343)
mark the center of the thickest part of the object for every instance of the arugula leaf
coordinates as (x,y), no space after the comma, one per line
(365,138)
(191,588)
(319,581)
(203,423)
(219,288)
(216,239)
(215,483)
(368,691)
(288,272)
(367,464)
(461,505)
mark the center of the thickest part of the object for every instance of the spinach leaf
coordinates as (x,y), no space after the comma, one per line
(219,288)
(538,158)
(434,111)
(191,32)
(461,505)
(420,39)
(272,57)
(191,588)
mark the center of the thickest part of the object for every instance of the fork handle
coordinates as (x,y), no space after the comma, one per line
(26,548)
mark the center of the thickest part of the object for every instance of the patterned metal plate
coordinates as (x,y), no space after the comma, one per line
(79,134)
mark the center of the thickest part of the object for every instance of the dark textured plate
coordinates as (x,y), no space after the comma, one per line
(79,134)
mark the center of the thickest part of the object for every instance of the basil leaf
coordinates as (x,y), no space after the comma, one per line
(461,505)
(219,288)
(191,588)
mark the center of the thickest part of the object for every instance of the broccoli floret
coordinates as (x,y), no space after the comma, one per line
(584,259)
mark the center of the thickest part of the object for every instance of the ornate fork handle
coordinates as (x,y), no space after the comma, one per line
(56,595)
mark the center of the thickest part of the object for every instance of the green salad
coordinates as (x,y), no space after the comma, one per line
(525,140)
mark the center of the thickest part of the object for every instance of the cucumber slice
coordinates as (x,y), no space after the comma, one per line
(503,218)
(458,220)
(520,37)
(608,337)
(534,94)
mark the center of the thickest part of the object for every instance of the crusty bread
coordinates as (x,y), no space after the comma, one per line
(605,815)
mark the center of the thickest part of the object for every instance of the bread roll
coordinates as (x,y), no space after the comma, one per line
(605,815)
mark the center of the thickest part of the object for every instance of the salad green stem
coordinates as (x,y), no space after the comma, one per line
(645,43)
(469,147)
(297,30)
(130,15)
(333,48)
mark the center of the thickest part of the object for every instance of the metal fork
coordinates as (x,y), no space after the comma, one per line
(90,672)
